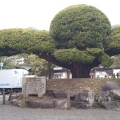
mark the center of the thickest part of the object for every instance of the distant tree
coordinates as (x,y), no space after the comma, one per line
(116,61)
(38,66)
(8,63)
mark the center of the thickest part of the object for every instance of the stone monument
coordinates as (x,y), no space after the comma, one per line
(34,86)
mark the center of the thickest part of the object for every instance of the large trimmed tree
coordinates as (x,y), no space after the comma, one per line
(80,32)
(78,40)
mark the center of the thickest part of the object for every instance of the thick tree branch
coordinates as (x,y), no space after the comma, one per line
(52,59)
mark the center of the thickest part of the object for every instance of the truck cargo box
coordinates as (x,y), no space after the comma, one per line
(12,78)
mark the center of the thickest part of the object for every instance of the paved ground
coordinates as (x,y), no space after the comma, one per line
(9,112)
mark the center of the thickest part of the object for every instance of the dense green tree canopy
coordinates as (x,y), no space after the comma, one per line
(79,39)
(80,33)
(113,42)
(80,26)
(14,41)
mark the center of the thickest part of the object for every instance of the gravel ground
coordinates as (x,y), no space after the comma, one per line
(9,112)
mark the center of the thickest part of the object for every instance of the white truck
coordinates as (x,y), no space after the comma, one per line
(12,79)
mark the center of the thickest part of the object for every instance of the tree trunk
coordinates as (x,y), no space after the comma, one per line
(80,74)
(78,70)
(81,71)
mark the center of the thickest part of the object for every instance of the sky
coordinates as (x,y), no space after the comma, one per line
(38,14)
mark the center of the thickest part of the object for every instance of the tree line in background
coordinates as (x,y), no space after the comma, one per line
(36,65)
(80,38)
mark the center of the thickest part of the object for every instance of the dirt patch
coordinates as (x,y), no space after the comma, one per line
(79,84)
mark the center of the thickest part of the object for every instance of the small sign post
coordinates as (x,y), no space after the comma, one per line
(3,96)
(1,65)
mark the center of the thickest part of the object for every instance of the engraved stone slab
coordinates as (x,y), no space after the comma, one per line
(36,86)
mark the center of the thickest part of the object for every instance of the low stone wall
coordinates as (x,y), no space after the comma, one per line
(78,93)
(82,100)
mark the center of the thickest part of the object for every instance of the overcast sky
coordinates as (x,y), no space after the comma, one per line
(39,13)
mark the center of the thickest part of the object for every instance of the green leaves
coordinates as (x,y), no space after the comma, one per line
(26,40)
(73,55)
(105,60)
(94,51)
(8,62)
(113,42)
(77,35)
(83,25)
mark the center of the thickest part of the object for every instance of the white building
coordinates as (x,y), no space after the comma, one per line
(61,73)
(116,73)
(99,72)
(19,60)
